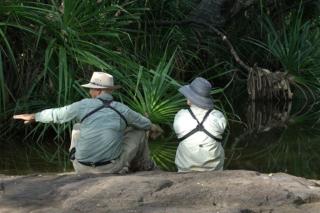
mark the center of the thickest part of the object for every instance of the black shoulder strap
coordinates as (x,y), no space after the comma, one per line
(195,118)
(199,127)
(106,104)
(90,113)
(205,116)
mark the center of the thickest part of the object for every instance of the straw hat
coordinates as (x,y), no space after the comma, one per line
(198,92)
(101,80)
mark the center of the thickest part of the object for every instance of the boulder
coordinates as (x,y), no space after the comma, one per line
(157,191)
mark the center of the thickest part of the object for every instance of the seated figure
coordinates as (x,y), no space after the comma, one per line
(110,137)
(199,130)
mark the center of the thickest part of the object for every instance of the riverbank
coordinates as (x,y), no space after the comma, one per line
(157,191)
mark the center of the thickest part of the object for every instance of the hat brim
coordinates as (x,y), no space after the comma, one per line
(93,86)
(200,101)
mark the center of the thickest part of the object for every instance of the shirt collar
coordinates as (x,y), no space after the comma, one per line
(105,96)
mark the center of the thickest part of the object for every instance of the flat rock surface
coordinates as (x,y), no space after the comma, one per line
(158,191)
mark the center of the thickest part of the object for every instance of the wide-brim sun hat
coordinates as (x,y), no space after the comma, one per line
(198,92)
(101,80)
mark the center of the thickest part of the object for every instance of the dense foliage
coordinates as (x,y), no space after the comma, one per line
(48,48)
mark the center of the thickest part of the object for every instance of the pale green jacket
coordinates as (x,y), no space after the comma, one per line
(199,152)
(101,134)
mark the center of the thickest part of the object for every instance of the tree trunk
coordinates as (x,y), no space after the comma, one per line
(265,85)
(217,12)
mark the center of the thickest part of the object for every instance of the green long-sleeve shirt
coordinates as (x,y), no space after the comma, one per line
(101,134)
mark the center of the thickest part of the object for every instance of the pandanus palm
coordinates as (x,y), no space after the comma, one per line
(294,51)
(58,44)
(47,46)
(71,39)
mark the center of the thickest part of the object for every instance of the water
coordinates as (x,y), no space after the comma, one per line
(21,157)
(276,138)
(268,138)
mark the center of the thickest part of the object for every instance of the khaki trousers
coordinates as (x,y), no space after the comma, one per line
(134,157)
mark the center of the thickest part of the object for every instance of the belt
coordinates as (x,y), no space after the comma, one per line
(92,164)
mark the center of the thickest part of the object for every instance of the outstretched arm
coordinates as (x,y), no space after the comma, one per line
(55,115)
(27,118)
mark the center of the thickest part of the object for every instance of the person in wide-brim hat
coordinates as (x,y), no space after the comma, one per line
(101,80)
(110,137)
(198,93)
(199,130)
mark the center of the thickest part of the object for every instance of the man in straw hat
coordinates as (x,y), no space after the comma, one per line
(199,130)
(110,138)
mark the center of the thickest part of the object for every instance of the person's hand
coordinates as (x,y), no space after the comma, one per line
(155,131)
(27,118)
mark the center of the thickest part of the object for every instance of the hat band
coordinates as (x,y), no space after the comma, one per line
(100,85)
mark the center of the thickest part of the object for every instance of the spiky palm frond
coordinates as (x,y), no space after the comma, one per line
(154,92)
(296,47)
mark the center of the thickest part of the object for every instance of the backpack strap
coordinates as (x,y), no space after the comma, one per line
(90,113)
(106,104)
(199,127)
(195,118)
(192,131)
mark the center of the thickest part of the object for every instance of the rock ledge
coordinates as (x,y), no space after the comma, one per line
(159,192)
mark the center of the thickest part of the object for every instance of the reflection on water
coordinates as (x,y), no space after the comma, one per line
(273,137)
(276,138)
(18,158)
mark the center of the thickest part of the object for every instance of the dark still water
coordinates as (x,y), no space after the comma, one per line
(276,137)
(21,157)
(267,138)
